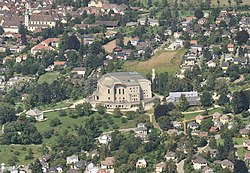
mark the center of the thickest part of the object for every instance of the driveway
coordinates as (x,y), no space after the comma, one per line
(180,166)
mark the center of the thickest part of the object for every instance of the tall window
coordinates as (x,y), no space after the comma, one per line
(119,91)
(108,91)
(122,91)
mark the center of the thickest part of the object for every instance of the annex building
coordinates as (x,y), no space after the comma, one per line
(125,90)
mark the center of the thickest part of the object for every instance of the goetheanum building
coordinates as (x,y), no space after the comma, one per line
(125,90)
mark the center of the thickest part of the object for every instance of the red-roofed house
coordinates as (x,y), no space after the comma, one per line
(230,47)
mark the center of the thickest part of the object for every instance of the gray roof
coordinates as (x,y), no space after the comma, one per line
(33,112)
(124,78)
(199,159)
(187,94)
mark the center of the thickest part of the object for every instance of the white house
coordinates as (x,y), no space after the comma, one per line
(38,115)
(141,163)
(199,162)
(160,167)
(104,139)
(72,159)
(79,70)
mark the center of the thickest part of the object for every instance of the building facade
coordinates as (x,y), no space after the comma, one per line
(37,22)
(122,89)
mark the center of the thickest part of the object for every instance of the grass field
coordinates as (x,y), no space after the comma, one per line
(48,77)
(68,123)
(8,151)
(62,104)
(225,3)
(193,115)
(162,61)
(112,44)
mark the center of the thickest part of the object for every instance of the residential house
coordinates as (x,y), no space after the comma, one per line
(79,70)
(193,125)
(199,119)
(79,165)
(160,167)
(38,115)
(141,129)
(72,159)
(108,164)
(93,153)
(216,116)
(224,119)
(60,64)
(108,24)
(177,35)
(172,132)
(141,163)
(44,162)
(214,129)
(148,21)
(207,170)
(91,168)
(227,164)
(97,3)
(211,63)
(199,162)
(244,133)
(192,97)
(202,21)
(170,156)
(190,60)
(47,45)
(246,144)
(218,124)
(247,158)
(11,23)
(177,124)
(230,47)
(104,139)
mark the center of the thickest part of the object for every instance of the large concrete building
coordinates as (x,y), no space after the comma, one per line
(125,90)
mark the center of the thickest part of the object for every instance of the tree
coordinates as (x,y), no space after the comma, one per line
(165,123)
(100,109)
(87,108)
(183,103)
(240,102)
(165,17)
(198,14)
(223,99)
(117,112)
(23,32)
(206,99)
(1,30)
(55,122)
(7,113)
(36,167)
(206,124)
(212,143)
(242,37)
(240,167)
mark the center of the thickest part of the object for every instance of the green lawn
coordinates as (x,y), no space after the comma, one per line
(162,61)
(8,151)
(62,104)
(193,115)
(239,141)
(48,77)
(241,152)
(69,123)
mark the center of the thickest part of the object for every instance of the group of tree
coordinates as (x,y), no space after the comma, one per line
(22,131)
